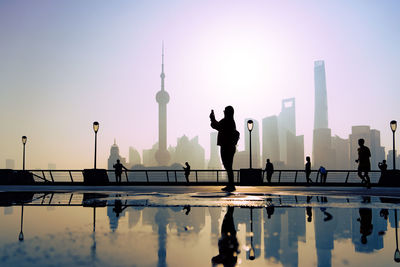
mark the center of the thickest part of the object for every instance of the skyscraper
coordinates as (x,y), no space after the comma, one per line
(215,162)
(162,155)
(286,123)
(270,139)
(321,99)
(322,153)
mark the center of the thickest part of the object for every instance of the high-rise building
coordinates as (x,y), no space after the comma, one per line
(215,162)
(286,123)
(270,139)
(190,151)
(114,155)
(134,157)
(162,155)
(10,164)
(295,151)
(342,152)
(52,166)
(321,100)
(323,153)
(255,143)
(389,159)
(377,151)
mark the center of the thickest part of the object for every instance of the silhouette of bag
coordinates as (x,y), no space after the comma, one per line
(236,137)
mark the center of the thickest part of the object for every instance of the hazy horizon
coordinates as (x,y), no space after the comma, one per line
(67,64)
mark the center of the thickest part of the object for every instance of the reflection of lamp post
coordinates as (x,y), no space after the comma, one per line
(250,128)
(24,139)
(393,126)
(95,128)
(397,252)
(252,255)
(21,234)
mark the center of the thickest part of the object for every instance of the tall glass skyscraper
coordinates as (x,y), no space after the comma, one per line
(321,99)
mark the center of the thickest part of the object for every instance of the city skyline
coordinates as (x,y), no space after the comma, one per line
(61,76)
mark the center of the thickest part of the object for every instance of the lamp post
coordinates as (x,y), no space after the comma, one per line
(393,126)
(252,254)
(24,139)
(397,252)
(250,128)
(21,234)
(96,129)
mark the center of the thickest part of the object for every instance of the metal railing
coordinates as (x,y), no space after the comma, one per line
(201,177)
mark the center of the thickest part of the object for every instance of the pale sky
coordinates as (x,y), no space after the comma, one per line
(65,64)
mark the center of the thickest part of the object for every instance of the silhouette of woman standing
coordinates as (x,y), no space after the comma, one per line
(227,140)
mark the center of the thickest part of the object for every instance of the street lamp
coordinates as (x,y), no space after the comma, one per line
(397,252)
(21,234)
(24,139)
(95,129)
(252,254)
(393,126)
(250,128)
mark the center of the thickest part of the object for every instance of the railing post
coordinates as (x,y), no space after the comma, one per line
(126,175)
(51,176)
(217,177)
(69,202)
(295,178)
(279,179)
(167,177)
(347,177)
(44,176)
(147,176)
(316,180)
(176,179)
(70,175)
(197,180)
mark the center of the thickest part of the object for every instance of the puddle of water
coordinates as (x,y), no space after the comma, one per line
(92,229)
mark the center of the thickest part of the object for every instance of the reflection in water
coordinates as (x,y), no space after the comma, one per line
(228,244)
(185,233)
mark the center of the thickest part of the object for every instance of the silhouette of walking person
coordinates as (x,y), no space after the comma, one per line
(269,169)
(364,165)
(308,169)
(228,244)
(118,170)
(227,139)
(187,171)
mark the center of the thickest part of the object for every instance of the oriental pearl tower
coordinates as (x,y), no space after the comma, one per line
(162,155)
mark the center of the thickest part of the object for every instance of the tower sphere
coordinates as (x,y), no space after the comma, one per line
(162,97)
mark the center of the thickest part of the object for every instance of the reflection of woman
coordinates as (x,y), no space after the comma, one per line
(227,244)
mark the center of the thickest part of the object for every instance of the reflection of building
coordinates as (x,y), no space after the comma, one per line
(270,139)
(162,155)
(114,155)
(255,143)
(215,162)
(10,164)
(134,157)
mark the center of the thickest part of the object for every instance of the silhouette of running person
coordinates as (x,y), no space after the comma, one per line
(364,165)
(308,169)
(227,140)
(118,170)
(269,170)
(228,244)
(187,171)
